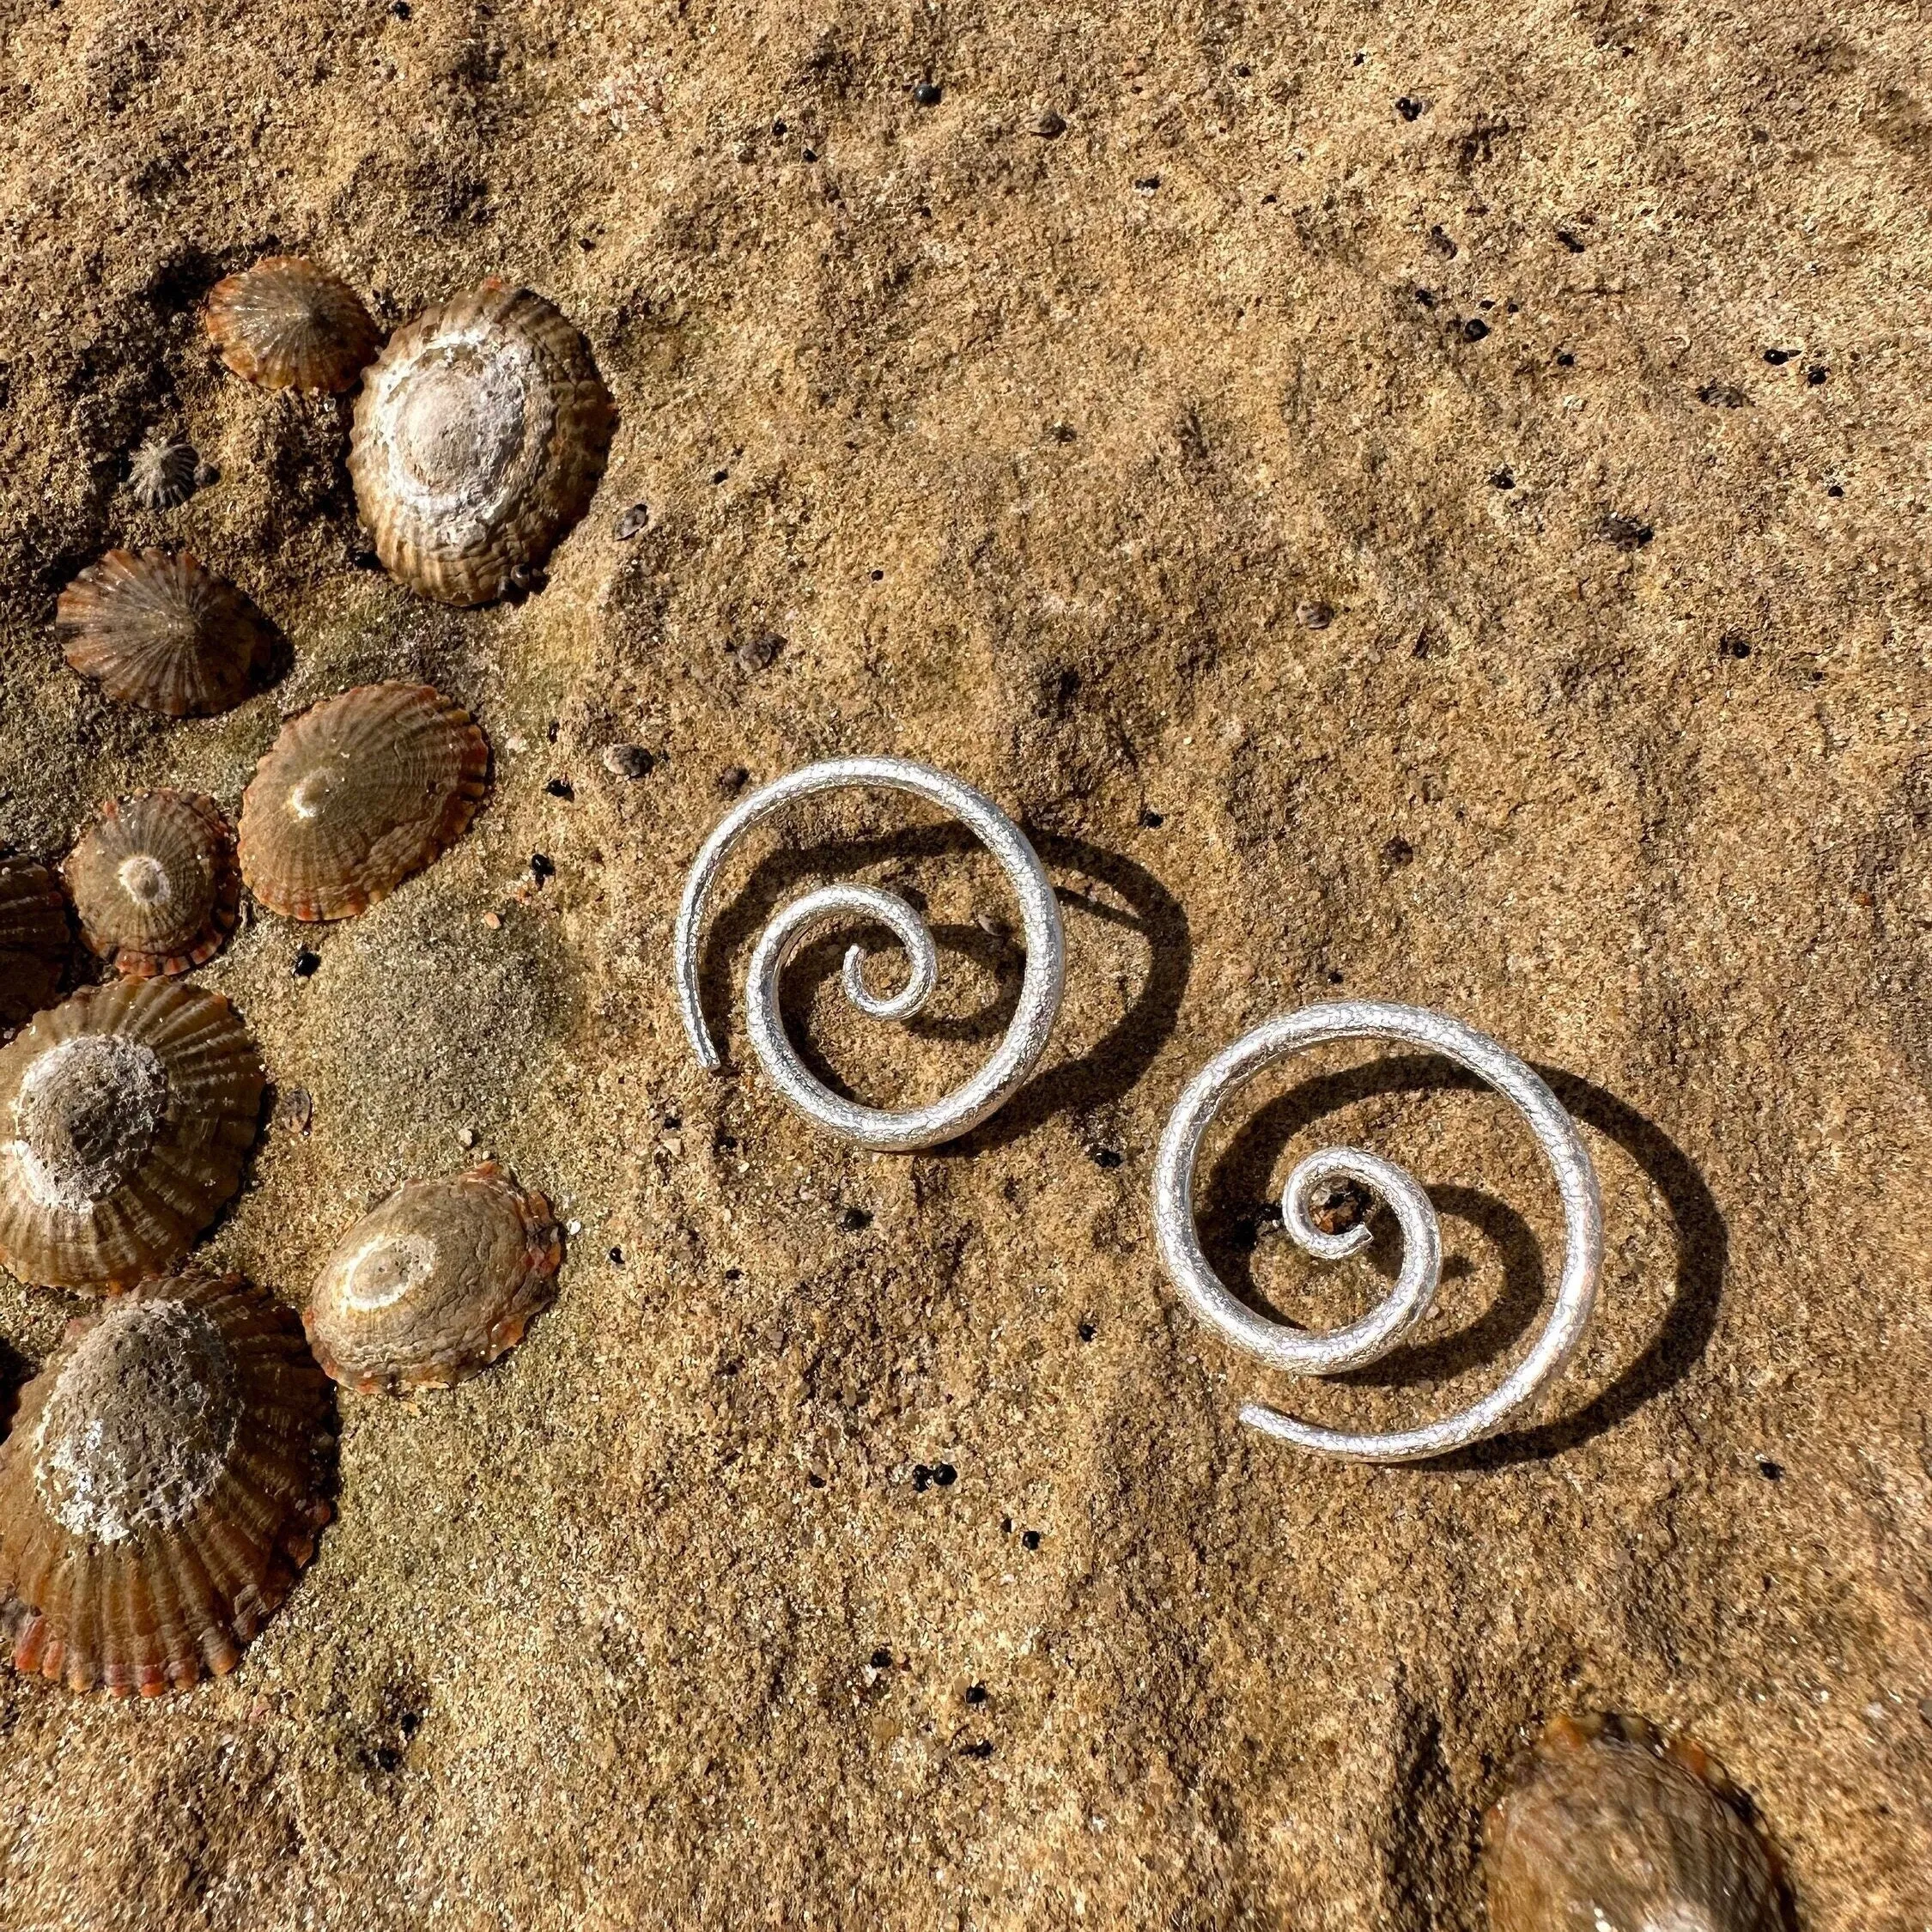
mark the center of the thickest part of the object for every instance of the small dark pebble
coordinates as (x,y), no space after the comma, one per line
(983,1749)
(1443,243)
(365,560)
(1565,359)
(1030,1539)
(879,576)
(1105,1156)
(1314,617)
(815,1480)
(1086,1331)
(1817,374)
(1474,329)
(779,131)
(671,1123)
(306,963)
(1730,645)
(1410,108)
(1778,357)
(945,1474)
(1834,489)
(922,1478)
(720,475)
(1005,1526)
(560,788)
(1151,820)
(810,154)
(1397,852)
(1426,297)
(542,865)
(1344,1205)
(1503,479)
(400,8)
(1570,241)
(1625,533)
(1723,396)
(976,1694)
(882,1659)
(295,1108)
(928,94)
(1050,126)
(632,521)
(1772,1472)
(616,1257)
(734,1274)
(853,1219)
(1063,432)
(1146,182)
(731,780)
(627,761)
(1335,975)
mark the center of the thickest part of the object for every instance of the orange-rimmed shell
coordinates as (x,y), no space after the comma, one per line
(161,1486)
(435,1283)
(155,882)
(35,940)
(125,1115)
(357,794)
(1605,1824)
(162,632)
(289,323)
(480,436)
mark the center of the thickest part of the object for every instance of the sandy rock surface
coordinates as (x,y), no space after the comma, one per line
(1429,500)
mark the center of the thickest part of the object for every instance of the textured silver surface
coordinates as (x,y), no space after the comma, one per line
(1032,1023)
(1303,1353)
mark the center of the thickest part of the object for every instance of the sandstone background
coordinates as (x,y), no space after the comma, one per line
(1031,445)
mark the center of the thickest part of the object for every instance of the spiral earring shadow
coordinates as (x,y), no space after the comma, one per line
(1041,983)
(1371,1337)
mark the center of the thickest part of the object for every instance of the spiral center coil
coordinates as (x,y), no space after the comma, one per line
(1026,1036)
(1301,1353)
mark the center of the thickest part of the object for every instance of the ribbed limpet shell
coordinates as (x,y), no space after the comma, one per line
(162,632)
(154,883)
(1605,1825)
(125,1115)
(162,472)
(162,1487)
(34,939)
(356,793)
(480,435)
(435,1283)
(287,322)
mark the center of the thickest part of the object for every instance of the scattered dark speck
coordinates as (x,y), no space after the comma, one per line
(1334,976)
(1005,1526)
(400,8)
(879,576)
(922,1478)
(815,1480)
(928,94)
(1474,329)
(1398,853)
(1106,1157)
(560,788)
(779,131)
(365,560)
(387,1758)
(1410,108)
(1772,1472)
(983,1749)
(720,475)
(1063,432)
(1426,297)
(1817,374)
(731,780)
(945,1474)
(1626,533)
(306,963)
(1778,357)
(1565,359)
(1030,1539)
(810,154)
(616,1257)
(1146,182)
(1242,70)
(734,1274)
(1730,645)
(541,866)
(1504,479)
(1723,396)
(1086,1331)
(1151,820)
(1570,241)
(671,1123)
(976,1694)
(882,1659)
(1834,489)
(854,1219)
(632,521)
(1443,243)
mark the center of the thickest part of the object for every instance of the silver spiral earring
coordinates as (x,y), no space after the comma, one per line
(1019,1053)
(1300,1352)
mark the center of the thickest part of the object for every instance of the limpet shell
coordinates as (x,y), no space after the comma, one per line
(154,883)
(289,323)
(435,1284)
(34,939)
(357,794)
(1605,1825)
(125,1115)
(162,632)
(162,1487)
(162,472)
(480,436)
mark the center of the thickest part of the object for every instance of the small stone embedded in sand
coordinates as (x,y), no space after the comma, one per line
(357,795)
(125,1115)
(435,1283)
(161,1488)
(289,323)
(162,632)
(627,761)
(1314,617)
(155,882)
(480,435)
(1604,1823)
(632,522)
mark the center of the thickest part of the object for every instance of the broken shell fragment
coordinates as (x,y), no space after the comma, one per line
(34,939)
(480,436)
(125,1115)
(357,794)
(162,632)
(155,882)
(1605,1825)
(162,472)
(161,1488)
(287,322)
(435,1283)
